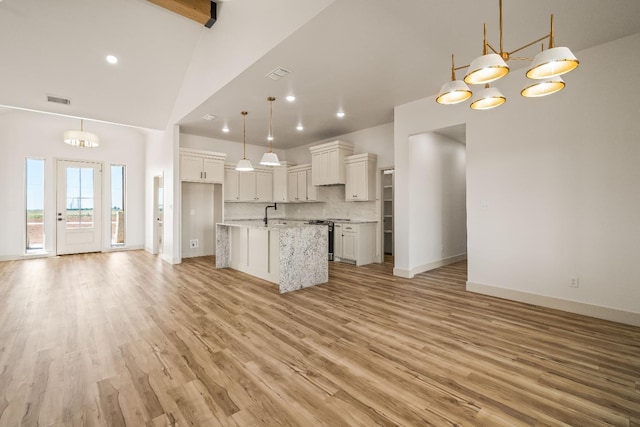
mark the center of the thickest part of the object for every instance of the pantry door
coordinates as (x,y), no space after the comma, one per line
(79,207)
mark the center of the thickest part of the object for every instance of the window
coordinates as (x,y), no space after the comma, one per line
(117,204)
(34,203)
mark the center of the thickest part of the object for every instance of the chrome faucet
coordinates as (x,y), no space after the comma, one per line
(266,219)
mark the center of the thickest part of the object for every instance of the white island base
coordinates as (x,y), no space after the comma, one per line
(291,256)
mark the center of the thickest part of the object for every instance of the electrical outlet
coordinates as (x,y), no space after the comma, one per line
(573,282)
(193,243)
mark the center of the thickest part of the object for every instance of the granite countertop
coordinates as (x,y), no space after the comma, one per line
(275,224)
(251,222)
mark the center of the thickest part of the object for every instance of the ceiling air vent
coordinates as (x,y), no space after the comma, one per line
(278,73)
(58,100)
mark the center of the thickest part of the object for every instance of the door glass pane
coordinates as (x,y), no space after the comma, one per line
(79,198)
(35,204)
(117,205)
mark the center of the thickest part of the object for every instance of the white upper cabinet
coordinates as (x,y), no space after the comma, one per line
(280,182)
(201,166)
(300,189)
(327,161)
(361,177)
(255,186)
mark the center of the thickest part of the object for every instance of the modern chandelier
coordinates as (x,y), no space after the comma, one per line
(244,165)
(270,158)
(544,72)
(80,138)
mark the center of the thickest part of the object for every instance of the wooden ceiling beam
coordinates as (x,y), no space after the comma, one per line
(202,11)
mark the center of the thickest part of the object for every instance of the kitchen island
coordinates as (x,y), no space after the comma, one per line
(293,256)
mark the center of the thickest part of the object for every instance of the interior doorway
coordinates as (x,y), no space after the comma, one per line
(387,180)
(158,213)
(78,207)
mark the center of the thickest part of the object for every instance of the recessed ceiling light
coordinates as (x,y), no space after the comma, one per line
(225,129)
(290,98)
(112,59)
(300,127)
(208,116)
(340,114)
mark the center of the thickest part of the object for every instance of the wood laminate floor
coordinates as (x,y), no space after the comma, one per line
(122,338)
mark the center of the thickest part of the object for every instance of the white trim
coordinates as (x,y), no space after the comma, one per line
(599,312)
(409,274)
(124,248)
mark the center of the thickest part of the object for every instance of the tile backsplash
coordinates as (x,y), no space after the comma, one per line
(331,205)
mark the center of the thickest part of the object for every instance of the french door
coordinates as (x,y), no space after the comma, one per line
(78,207)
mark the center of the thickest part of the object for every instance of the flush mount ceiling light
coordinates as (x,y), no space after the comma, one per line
(300,127)
(111,59)
(80,138)
(244,165)
(492,65)
(270,158)
(225,129)
(290,98)
(340,114)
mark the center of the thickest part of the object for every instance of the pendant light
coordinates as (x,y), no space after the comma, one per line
(488,98)
(454,91)
(244,165)
(270,158)
(543,88)
(488,67)
(552,62)
(80,138)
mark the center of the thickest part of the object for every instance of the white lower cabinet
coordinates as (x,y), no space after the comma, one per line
(256,251)
(354,242)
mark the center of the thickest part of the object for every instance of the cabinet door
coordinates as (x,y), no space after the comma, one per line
(292,186)
(247,186)
(337,240)
(213,170)
(312,190)
(350,185)
(349,245)
(356,187)
(280,185)
(231,185)
(264,186)
(316,169)
(332,168)
(301,178)
(190,168)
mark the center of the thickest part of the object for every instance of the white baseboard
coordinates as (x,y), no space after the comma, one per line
(26,256)
(599,312)
(409,274)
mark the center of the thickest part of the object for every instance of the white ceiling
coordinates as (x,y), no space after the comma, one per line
(363,56)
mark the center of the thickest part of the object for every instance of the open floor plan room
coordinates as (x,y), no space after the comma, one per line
(123,338)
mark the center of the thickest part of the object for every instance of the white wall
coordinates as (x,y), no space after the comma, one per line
(27,134)
(552,187)
(198,218)
(377,140)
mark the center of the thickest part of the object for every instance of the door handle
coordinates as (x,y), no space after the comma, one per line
(60,219)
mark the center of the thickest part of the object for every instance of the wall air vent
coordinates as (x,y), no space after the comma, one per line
(278,73)
(58,100)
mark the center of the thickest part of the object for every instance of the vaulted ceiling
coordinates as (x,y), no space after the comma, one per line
(360,56)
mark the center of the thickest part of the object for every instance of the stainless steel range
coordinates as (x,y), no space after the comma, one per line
(329,224)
